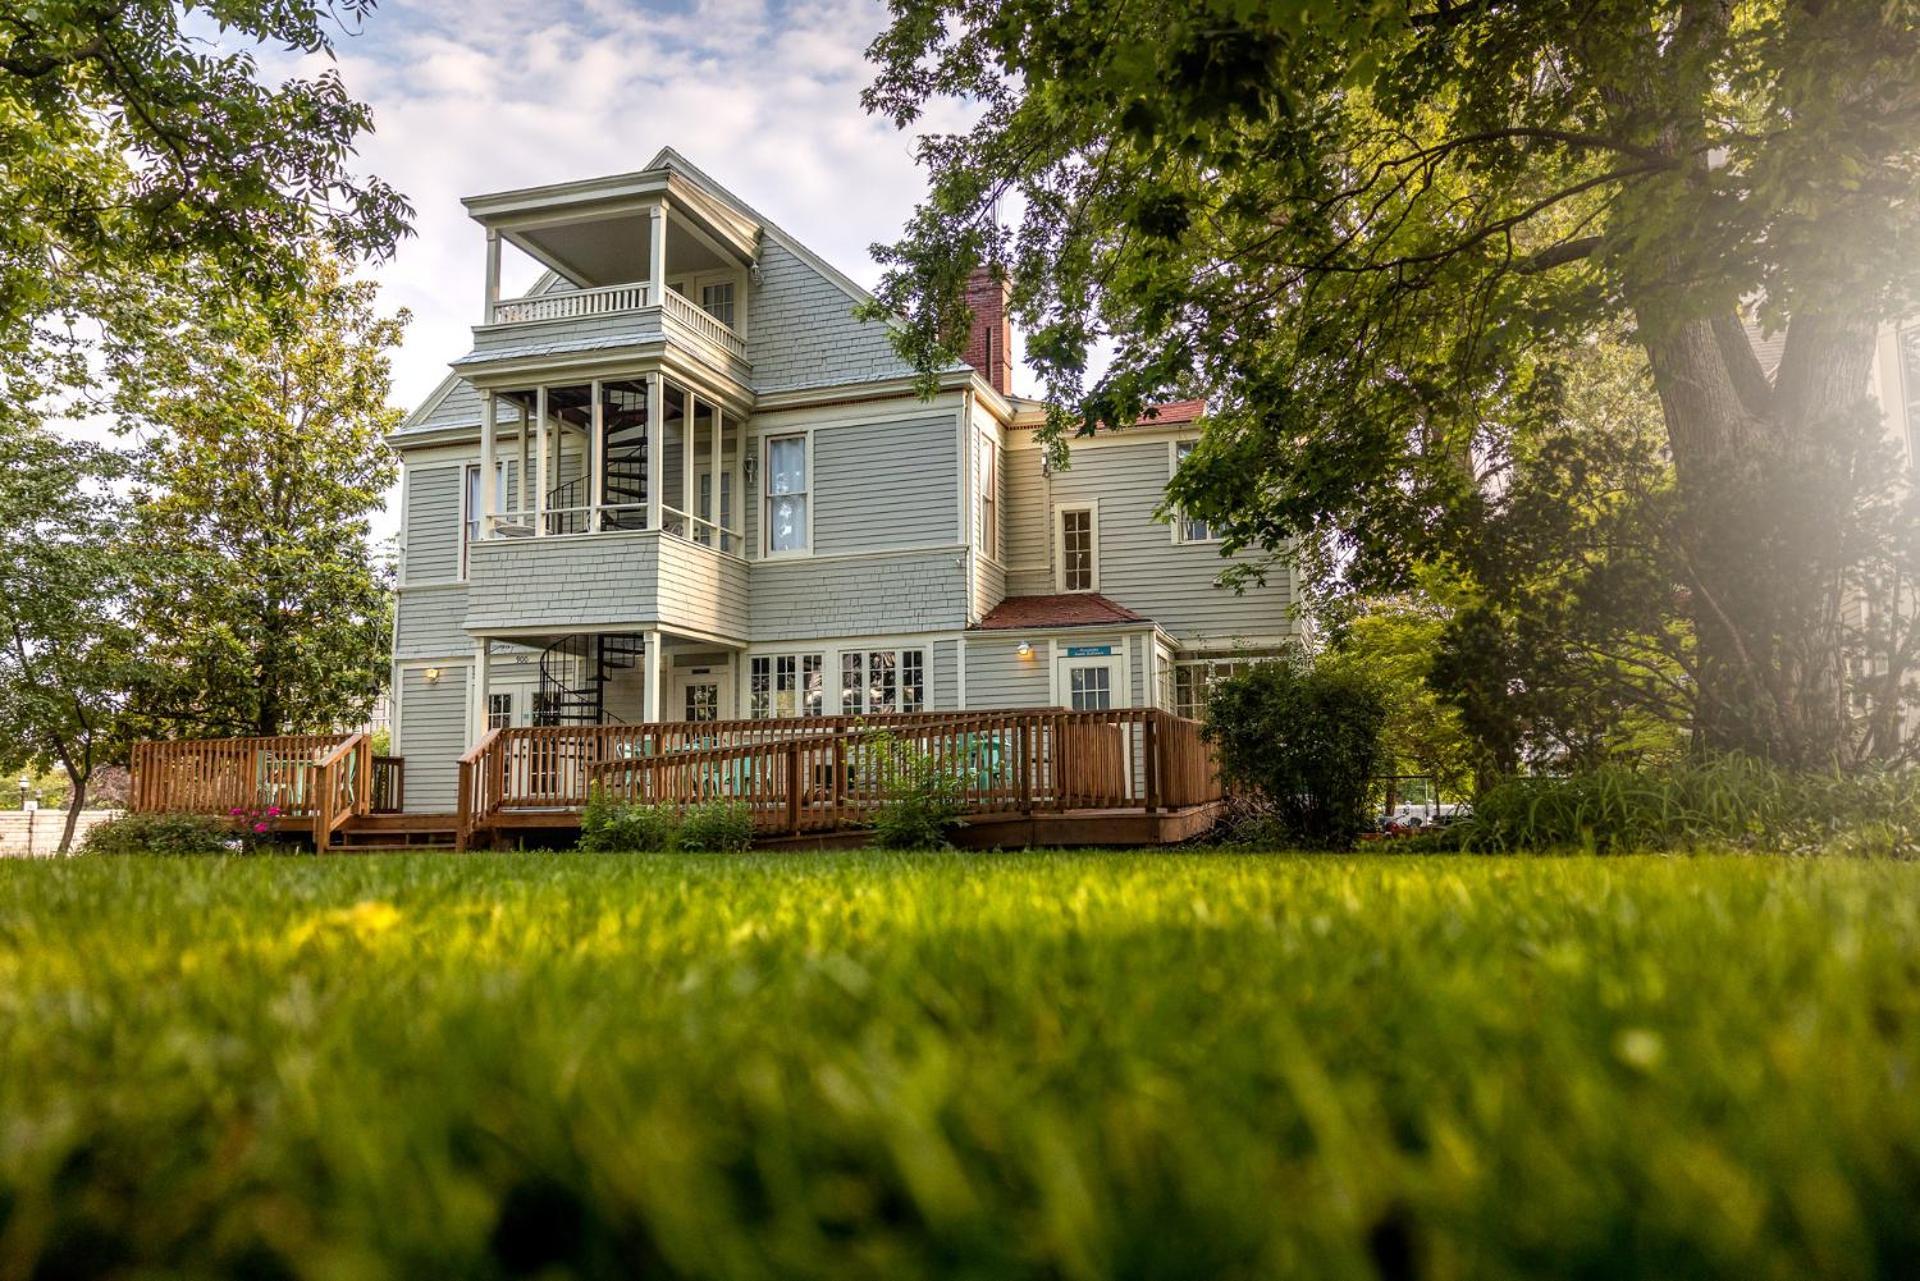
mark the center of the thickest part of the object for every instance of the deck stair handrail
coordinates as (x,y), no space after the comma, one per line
(828,772)
(343,787)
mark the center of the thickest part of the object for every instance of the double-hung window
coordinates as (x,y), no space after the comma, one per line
(1077,535)
(470,506)
(876,682)
(1189,529)
(786,685)
(989,500)
(787,523)
(717,301)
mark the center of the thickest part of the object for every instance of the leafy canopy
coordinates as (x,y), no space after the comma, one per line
(266,608)
(130,144)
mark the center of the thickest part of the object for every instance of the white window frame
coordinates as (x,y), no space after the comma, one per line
(772,660)
(1209,668)
(865,654)
(989,468)
(470,518)
(500,710)
(1174,449)
(1060,515)
(733,298)
(767,496)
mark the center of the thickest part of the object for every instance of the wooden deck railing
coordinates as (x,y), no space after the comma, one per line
(219,775)
(319,781)
(827,772)
(389,784)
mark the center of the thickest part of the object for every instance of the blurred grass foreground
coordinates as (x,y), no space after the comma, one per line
(984,1066)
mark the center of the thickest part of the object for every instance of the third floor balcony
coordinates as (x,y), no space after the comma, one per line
(641,263)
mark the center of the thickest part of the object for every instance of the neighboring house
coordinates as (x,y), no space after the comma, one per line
(714,494)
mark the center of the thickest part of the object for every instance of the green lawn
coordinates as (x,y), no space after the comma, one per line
(982,1066)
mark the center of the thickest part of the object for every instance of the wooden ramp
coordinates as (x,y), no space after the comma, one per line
(1136,776)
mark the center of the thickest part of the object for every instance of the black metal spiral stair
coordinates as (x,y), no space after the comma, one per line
(574,672)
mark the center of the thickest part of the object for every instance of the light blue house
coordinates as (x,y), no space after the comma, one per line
(678,480)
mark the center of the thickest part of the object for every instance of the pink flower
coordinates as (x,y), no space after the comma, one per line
(260,827)
(273,811)
(235,812)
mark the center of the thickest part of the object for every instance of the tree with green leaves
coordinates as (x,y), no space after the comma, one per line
(67,650)
(262,458)
(1391,644)
(132,146)
(1366,229)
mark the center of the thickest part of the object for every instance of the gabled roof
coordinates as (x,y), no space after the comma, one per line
(1066,609)
(668,158)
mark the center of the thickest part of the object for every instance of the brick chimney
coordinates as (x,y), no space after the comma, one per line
(990,344)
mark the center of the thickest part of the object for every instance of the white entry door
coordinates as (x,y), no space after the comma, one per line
(701,694)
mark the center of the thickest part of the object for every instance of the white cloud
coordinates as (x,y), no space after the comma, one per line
(475,98)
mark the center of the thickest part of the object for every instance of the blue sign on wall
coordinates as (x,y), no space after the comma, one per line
(1089,651)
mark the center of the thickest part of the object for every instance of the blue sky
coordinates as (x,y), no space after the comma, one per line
(484,96)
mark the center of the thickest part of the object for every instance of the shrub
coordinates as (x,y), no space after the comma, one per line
(609,826)
(1729,800)
(922,796)
(160,834)
(717,827)
(1305,743)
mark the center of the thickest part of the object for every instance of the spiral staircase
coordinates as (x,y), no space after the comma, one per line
(574,673)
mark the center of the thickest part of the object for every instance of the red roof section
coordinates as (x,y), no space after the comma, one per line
(1173,412)
(1070,609)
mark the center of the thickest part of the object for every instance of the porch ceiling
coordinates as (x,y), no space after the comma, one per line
(613,250)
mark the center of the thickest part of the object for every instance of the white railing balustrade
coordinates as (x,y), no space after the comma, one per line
(573,304)
(683,310)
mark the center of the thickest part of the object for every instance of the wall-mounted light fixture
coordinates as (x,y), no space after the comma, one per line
(752,468)
(1024,649)
(432,675)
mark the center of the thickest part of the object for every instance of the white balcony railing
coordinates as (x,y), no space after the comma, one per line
(573,304)
(606,300)
(714,331)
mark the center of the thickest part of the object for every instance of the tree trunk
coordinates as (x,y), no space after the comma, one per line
(75,803)
(1766,479)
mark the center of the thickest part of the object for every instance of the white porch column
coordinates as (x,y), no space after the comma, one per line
(740,494)
(713,483)
(596,464)
(656,411)
(482,652)
(657,255)
(652,677)
(489,465)
(689,439)
(540,475)
(493,274)
(521,504)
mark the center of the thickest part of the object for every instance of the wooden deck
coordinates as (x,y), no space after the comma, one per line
(1124,777)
